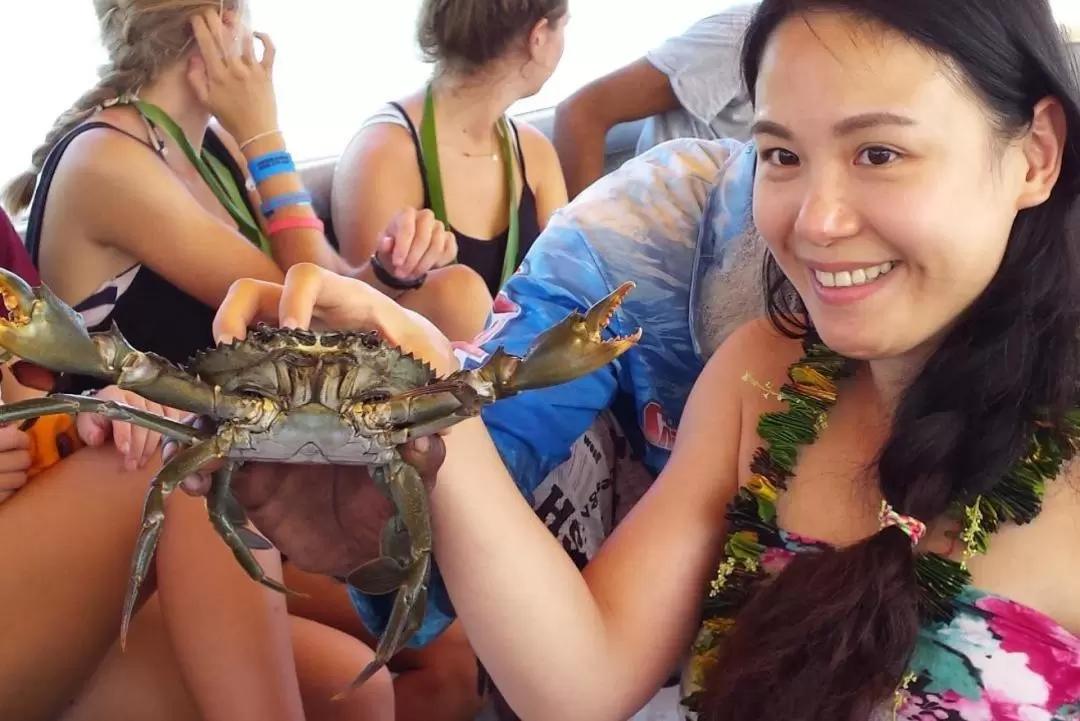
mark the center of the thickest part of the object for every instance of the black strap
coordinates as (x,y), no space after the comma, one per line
(48,170)
(419,154)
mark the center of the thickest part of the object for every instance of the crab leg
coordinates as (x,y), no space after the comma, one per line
(185,463)
(573,348)
(63,403)
(219,506)
(407,491)
(43,330)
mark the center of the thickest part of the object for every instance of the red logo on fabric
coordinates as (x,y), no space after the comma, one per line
(658,431)
(503,310)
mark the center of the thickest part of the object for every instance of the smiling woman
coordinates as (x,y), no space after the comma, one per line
(893,461)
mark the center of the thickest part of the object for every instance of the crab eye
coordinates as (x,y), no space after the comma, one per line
(373,395)
(256,389)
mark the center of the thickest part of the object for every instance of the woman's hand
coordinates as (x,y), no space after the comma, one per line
(328,519)
(14,460)
(415,243)
(137,444)
(227,78)
(313,297)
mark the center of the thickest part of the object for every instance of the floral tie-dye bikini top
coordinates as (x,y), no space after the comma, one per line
(993,660)
(996,660)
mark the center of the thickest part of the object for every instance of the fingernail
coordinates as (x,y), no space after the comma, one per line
(225,339)
(289,323)
(124,448)
(422,444)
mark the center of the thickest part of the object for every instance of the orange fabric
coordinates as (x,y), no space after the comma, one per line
(52,438)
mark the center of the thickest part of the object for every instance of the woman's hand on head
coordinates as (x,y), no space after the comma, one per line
(414,243)
(137,444)
(315,298)
(227,78)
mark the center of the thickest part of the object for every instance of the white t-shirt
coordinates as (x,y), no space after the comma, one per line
(703,67)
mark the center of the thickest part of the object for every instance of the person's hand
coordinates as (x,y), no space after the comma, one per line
(327,519)
(227,78)
(137,444)
(317,298)
(14,460)
(414,243)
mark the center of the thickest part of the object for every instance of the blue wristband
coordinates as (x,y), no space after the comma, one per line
(270,164)
(272,205)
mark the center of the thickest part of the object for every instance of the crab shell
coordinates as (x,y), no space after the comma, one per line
(310,380)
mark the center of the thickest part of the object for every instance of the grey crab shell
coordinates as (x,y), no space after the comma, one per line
(313,378)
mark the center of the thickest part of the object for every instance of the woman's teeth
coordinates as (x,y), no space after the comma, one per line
(859,276)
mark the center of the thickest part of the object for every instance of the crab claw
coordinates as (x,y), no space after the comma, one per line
(42,329)
(572,349)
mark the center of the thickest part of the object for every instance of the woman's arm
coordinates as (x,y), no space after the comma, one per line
(127,199)
(313,247)
(597,645)
(376,177)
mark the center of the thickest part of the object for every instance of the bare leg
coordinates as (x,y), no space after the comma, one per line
(60,605)
(326,661)
(455,299)
(142,682)
(231,635)
(435,683)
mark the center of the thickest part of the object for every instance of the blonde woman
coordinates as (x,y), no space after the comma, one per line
(140,216)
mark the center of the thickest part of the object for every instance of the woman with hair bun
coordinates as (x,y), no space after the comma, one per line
(451,147)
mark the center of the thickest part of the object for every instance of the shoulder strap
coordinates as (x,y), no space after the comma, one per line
(430,157)
(419,153)
(37,206)
(510,256)
(213,173)
(221,161)
(518,148)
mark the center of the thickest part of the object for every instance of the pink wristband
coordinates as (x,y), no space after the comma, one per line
(287,222)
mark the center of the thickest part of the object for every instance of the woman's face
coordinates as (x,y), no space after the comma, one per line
(880,188)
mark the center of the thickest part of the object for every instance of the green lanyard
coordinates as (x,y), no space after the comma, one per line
(214,172)
(429,150)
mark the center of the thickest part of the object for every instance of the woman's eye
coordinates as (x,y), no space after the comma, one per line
(878,156)
(779,156)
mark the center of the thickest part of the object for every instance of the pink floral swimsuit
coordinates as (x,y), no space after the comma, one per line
(995,661)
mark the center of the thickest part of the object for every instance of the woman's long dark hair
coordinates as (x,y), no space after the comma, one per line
(831,637)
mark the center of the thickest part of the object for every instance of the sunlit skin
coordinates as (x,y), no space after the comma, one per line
(899,166)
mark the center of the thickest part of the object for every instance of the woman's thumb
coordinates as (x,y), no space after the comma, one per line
(426,454)
(92,428)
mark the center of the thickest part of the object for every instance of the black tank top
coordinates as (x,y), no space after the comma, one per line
(153,314)
(486,256)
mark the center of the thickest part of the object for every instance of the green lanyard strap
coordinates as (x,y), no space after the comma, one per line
(214,172)
(429,150)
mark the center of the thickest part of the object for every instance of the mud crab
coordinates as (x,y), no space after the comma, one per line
(292,396)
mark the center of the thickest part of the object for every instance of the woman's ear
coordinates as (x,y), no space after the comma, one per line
(538,37)
(1043,150)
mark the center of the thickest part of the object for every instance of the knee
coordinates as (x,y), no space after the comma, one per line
(449,669)
(374,701)
(327,661)
(461,285)
(456,299)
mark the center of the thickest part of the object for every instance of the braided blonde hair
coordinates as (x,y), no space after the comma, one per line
(142,37)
